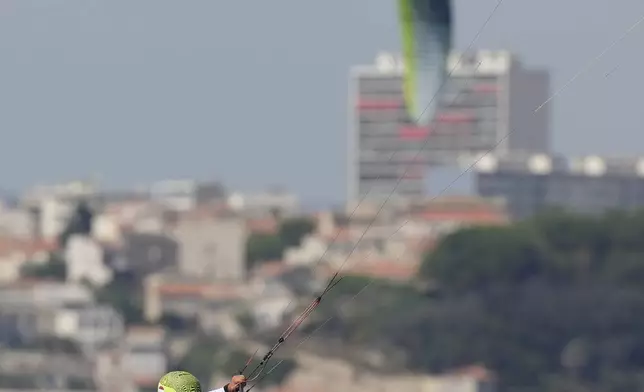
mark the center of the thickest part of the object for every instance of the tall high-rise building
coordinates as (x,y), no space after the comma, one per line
(487,104)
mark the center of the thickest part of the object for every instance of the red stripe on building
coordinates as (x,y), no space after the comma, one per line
(413,133)
(366,104)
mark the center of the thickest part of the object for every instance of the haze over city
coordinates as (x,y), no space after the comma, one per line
(255,93)
(374,195)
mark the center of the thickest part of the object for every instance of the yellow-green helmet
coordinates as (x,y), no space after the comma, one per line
(179,381)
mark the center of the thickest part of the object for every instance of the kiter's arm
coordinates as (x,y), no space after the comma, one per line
(234,385)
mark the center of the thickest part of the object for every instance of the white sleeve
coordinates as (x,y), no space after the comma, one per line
(218,390)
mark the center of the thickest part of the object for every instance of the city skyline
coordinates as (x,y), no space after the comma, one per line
(111,75)
(192,185)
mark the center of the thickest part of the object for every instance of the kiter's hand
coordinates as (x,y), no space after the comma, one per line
(236,383)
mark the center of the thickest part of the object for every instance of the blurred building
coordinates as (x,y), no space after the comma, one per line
(314,374)
(40,309)
(18,324)
(487,95)
(148,253)
(16,222)
(269,202)
(114,217)
(84,258)
(184,195)
(212,248)
(51,206)
(16,253)
(39,370)
(208,305)
(91,326)
(144,359)
(531,183)
(44,294)
(440,216)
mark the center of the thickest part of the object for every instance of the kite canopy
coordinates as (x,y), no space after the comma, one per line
(179,381)
(427,39)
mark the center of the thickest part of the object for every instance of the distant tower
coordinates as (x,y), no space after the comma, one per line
(487,95)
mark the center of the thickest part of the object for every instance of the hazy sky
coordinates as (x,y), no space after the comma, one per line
(253,92)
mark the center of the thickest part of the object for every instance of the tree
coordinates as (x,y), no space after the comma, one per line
(263,247)
(178,324)
(54,268)
(200,359)
(292,231)
(268,247)
(476,258)
(515,299)
(80,222)
(124,293)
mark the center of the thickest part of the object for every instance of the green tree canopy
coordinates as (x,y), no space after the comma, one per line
(477,258)
(555,303)
(200,359)
(125,294)
(269,247)
(54,268)
(80,222)
(555,247)
(263,247)
(292,231)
